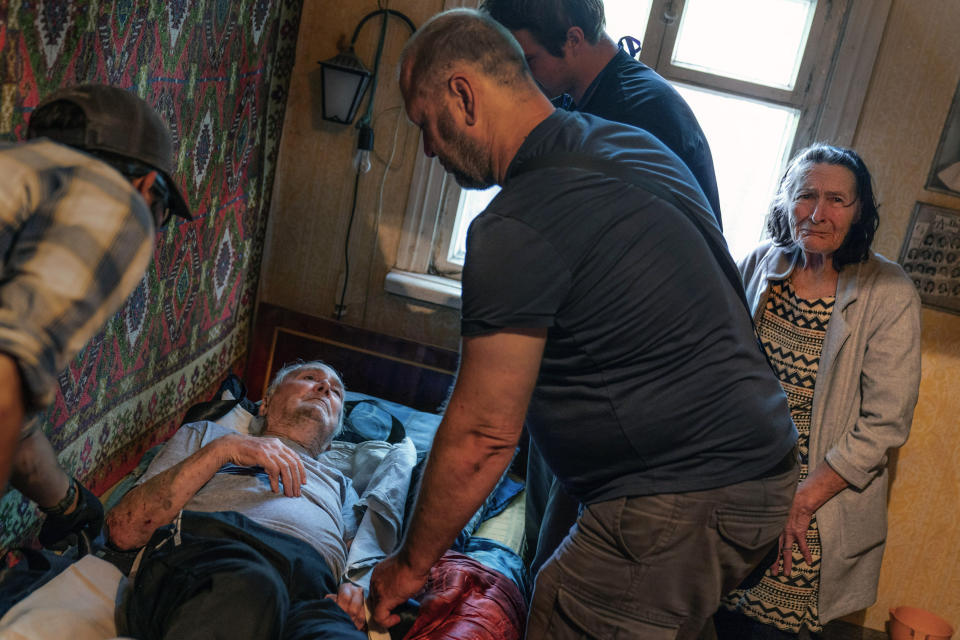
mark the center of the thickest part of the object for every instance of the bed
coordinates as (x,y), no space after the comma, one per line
(479,588)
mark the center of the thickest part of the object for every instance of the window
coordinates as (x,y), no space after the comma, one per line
(756,74)
(764,78)
(451,247)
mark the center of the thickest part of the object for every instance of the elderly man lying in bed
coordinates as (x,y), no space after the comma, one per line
(243,534)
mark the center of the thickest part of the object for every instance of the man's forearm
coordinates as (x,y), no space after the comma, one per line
(11,416)
(473,446)
(464,466)
(37,473)
(475,441)
(156,502)
(9,441)
(819,487)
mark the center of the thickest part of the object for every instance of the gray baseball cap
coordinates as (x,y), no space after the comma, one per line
(119,123)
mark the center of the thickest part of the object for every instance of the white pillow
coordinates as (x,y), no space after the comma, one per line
(78,604)
(239,419)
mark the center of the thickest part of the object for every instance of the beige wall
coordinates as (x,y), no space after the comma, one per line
(913,83)
(916,73)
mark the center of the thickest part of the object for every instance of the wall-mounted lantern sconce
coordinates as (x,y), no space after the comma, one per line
(344,80)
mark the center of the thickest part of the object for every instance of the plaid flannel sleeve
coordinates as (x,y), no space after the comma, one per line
(76,239)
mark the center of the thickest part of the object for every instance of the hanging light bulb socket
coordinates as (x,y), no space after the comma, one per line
(348,80)
(361,160)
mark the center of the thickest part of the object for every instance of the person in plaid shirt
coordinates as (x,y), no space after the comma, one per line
(79,204)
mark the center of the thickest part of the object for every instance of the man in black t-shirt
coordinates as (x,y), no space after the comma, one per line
(571,57)
(597,310)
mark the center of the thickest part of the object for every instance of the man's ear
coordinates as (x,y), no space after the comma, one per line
(464,97)
(143,184)
(574,42)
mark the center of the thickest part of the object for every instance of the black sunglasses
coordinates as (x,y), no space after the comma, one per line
(161,201)
(160,191)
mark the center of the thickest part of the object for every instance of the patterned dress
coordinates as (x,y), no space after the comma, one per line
(792,331)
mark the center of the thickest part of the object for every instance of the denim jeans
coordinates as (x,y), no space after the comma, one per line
(222,575)
(655,567)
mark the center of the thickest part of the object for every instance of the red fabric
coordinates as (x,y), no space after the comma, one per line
(464,600)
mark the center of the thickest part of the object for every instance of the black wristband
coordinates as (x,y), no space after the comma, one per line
(61,507)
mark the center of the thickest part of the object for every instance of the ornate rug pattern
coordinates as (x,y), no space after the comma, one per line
(217,71)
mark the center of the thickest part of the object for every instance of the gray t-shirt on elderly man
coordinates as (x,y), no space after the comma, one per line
(317,516)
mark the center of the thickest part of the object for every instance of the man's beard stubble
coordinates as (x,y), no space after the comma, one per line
(471,166)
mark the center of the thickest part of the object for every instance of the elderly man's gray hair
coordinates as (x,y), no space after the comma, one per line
(290,369)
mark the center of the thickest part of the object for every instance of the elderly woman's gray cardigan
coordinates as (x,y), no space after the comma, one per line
(863,403)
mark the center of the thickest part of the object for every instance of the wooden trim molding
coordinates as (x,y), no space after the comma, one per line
(388,367)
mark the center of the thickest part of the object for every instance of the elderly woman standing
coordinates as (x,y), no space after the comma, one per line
(841,327)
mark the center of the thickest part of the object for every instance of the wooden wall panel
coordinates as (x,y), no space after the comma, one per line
(304,267)
(385,366)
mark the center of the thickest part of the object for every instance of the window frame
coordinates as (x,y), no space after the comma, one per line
(831,81)
(830,90)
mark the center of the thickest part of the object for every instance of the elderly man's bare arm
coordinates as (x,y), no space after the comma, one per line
(156,502)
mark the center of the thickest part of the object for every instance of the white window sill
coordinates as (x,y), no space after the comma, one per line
(423,287)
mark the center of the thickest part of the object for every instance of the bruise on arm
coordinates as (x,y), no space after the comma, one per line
(157,501)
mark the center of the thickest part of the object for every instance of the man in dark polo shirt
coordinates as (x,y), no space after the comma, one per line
(579,65)
(597,310)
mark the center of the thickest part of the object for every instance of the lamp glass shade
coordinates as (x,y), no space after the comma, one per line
(344,81)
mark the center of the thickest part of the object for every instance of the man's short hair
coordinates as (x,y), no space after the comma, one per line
(290,369)
(463,35)
(549,20)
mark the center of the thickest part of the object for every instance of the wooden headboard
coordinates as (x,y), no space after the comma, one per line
(392,368)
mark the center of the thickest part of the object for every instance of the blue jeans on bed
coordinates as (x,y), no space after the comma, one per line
(655,567)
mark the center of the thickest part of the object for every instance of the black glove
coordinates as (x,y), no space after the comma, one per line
(79,527)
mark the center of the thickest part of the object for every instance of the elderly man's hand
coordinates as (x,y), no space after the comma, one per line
(392,584)
(280,462)
(350,599)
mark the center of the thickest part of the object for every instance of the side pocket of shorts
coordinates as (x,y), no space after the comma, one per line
(750,530)
(574,618)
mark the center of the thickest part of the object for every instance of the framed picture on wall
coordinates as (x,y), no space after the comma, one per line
(931,256)
(945,171)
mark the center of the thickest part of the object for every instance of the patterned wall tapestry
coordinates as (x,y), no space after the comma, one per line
(217,71)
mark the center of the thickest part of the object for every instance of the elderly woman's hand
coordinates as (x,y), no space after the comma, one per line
(794,532)
(813,493)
